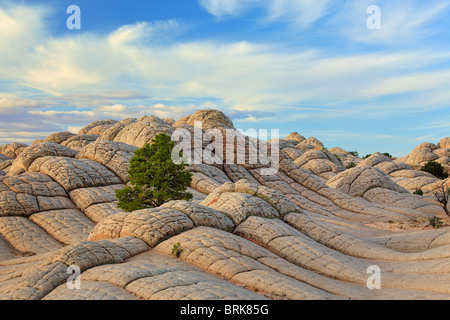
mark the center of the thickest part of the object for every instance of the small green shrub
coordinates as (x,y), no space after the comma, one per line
(418,192)
(367,156)
(350,165)
(177,249)
(354,153)
(435,222)
(337,157)
(387,155)
(436,169)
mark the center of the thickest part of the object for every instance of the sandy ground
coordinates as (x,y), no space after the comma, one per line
(408,226)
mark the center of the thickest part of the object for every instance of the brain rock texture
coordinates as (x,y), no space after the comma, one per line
(309,231)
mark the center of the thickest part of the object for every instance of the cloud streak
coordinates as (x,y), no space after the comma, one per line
(402,22)
(300,14)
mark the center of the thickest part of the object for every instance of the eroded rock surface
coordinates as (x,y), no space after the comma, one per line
(310,230)
(426,151)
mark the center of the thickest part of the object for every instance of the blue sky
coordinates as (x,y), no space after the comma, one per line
(310,66)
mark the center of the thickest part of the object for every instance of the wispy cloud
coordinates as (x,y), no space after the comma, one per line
(402,22)
(146,32)
(22,29)
(9,105)
(72,115)
(221,8)
(300,14)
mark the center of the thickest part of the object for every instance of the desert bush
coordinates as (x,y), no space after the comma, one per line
(435,222)
(442,194)
(350,165)
(354,153)
(419,192)
(436,169)
(385,154)
(154,177)
(177,249)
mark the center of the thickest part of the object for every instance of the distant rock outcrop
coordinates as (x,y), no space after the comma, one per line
(426,151)
(403,174)
(357,181)
(12,150)
(210,118)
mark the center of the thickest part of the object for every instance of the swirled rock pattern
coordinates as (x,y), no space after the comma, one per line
(59,137)
(321,163)
(310,230)
(346,157)
(98,127)
(426,151)
(12,150)
(38,150)
(79,141)
(210,119)
(5,164)
(404,174)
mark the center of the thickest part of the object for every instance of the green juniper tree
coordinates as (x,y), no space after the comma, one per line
(154,177)
(435,169)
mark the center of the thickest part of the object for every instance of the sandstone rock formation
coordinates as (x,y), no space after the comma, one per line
(403,174)
(308,231)
(59,137)
(345,156)
(210,119)
(12,150)
(426,151)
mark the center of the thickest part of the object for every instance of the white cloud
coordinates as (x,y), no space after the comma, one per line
(222,8)
(438,124)
(113,108)
(14,104)
(144,31)
(243,75)
(411,83)
(175,112)
(401,21)
(300,14)
(56,113)
(74,129)
(22,28)
(62,118)
(129,33)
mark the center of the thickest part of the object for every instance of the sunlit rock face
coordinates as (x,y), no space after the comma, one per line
(309,230)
